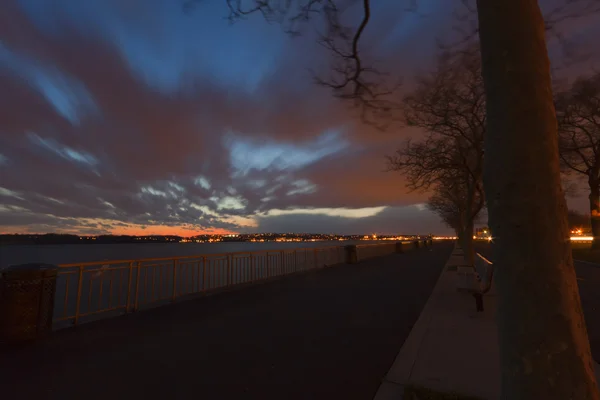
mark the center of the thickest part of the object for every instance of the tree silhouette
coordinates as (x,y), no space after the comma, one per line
(450,202)
(578,113)
(449,106)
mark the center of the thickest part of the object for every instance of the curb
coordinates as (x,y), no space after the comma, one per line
(392,385)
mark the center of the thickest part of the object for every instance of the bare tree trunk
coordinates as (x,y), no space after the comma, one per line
(595,213)
(468,247)
(545,352)
(461,238)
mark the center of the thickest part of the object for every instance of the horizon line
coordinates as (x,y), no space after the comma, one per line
(221,234)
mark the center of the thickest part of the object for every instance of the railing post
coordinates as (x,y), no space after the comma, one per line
(283,262)
(129,288)
(137,285)
(295,260)
(315,257)
(175,264)
(306,262)
(198,274)
(252,267)
(229,280)
(79,287)
(268,265)
(204,273)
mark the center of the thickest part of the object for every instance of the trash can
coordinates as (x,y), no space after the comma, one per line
(351,254)
(399,249)
(26,301)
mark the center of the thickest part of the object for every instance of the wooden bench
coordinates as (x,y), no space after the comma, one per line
(484,275)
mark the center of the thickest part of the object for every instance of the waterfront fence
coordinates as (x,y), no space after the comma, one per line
(95,290)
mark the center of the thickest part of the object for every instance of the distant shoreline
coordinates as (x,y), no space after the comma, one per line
(158,242)
(64,239)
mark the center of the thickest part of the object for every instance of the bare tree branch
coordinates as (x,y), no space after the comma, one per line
(569,187)
(449,105)
(555,19)
(367,88)
(569,10)
(578,114)
(449,201)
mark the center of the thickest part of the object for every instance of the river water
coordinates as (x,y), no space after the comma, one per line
(73,253)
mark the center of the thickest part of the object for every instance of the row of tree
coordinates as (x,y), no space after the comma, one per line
(449,106)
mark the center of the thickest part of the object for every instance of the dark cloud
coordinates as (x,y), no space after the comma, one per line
(120,116)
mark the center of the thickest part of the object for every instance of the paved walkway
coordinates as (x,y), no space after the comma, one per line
(327,334)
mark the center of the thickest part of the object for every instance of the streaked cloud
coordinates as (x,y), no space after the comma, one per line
(248,154)
(65,152)
(302,186)
(10,193)
(67,95)
(117,120)
(332,212)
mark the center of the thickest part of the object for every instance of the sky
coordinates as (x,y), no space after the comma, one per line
(145,117)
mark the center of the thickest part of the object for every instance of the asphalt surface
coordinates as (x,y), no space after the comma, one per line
(588,280)
(332,333)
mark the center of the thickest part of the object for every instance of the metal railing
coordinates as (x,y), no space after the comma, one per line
(85,290)
(95,290)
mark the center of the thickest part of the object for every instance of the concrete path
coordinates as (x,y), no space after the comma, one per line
(327,334)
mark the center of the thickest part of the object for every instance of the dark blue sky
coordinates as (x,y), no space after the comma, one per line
(133,116)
